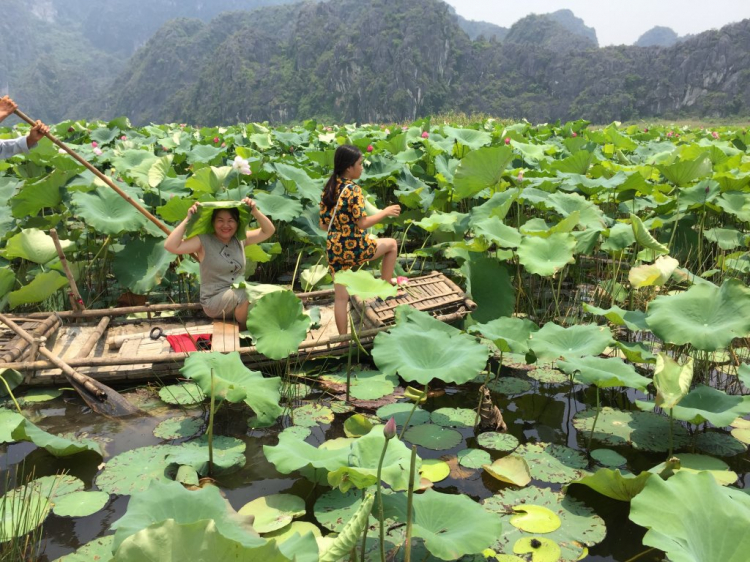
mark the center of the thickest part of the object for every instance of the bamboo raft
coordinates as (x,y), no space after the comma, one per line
(114,345)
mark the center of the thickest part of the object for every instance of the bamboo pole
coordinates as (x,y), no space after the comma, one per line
(76,302)
(93,338)
(18,346)
(121,311)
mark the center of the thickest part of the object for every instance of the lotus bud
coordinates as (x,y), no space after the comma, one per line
(645,130)
(390,428)
(71,130)
(216,140)
(98,151)
(94,144)
(669,134)
(425,134)
(404,129)
(520,175)
(387,131)
(123,138)
(715,135)
(223,145)
(370,148)
(401,280)
(574,134)
(507,140)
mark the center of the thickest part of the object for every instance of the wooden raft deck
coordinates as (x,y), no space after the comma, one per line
(123,351)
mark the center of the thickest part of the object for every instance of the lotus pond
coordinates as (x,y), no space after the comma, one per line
(610,270)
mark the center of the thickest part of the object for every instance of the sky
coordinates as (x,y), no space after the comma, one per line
(619,22)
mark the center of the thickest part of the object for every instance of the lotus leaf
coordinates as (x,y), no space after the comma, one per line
(107,212)
(490,286)
(509,385)
(228,454)
(7,281)
(604,373)
(541,549)
(635,352)
(278,207)
(274,512)
(554,341)
(278,324)
(419,355)
(208,180)
(510,335)
(742,435)
(435,470)
(365,384)
(549,376)
(620,236)
(99,550)
(643,430)
(364,285)
(552,463)
(716,531)
(705,316)
(56,446)
(187,476)
(350,533)
(313,275)
(179,427)
(672,380)
(634,319)
(33,245)
(736,203)
(705,403)
(41,287)
(452,222)
(401,411)
(643,238)
(473,458)
(579,210)
(334,509)
(454,417)
(495,231)
(312,414)
(296,180)
(535,519)
(357,426)
(480,169)
(613,484)
(468,137)
(8,422)
(511,469)
(720,444)
(133,471)
(546,256)
(684,172)
(655,274)
(433,437)
(608,457)
(292,453)
(580,525)
(185,394)
(496,206)
(726,238)
(141,264)
(300,528)
(80,504)
(200,222)
(688,462)
(498,441)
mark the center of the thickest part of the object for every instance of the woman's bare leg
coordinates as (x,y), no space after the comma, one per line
(240,314)
(388,249)
(341,308)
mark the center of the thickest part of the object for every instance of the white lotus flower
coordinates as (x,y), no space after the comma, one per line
(241,165)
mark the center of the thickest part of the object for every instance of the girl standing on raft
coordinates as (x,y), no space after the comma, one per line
(222,258)
(342,213)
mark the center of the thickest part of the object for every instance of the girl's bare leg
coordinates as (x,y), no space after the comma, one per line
(240,314)
(341,308)
(388,249)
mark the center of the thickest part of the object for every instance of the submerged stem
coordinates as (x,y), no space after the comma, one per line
(598,409)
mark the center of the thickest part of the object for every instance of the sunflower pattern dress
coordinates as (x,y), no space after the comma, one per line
(347,244)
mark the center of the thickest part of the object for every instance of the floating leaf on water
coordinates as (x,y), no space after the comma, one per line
(299,431)
(608,457)
(228,454)
(454,417)
(98,549)
(473,458)
(8,422)
(535,519)
(133,471)
(299,527)
(549,376)
(643,430)
(720,444)
(742,434)
(435,470)
(357,426)
(552,463)
(541,549)
(509,385)
(80,504)
(512,469)
(433,437)
(498,441)
(340,407)
(701,463)
(613,484)
(56,446)
(273,512)
(179,427)
(312,414)
(400,412)
(185,393)
(365,384)
(41,394)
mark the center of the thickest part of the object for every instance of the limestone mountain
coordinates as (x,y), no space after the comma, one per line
(658,36)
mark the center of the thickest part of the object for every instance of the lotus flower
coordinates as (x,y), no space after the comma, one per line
(241,165)
(98,151)
(425,134)
(507,140)
(715,135)
(574,134)
(669,134)
(94,144)
(404,128)
(401,280)
(645,129)
(520,175)
(123,138)
(216,140)
(61,151)
(390,428)
(369,148)
(387,131)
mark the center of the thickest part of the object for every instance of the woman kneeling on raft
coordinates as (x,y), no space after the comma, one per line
(342,213)
(222,258)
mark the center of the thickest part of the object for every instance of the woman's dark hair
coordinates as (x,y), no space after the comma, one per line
(345,157)
(234,211)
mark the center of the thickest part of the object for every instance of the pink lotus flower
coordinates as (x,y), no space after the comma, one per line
(404,129)
(507,140)
(370,148)
(216,140)
(94,144)
(389,431)
(123,138)
(715,135)
(183,125)
(669,134)
(425,134)
(223,145)
(520,175)
(574,134)
(401,280)
(98,151)
(645,130)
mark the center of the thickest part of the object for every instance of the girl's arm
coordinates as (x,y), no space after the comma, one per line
(371,220)
(266,229)
(174,242)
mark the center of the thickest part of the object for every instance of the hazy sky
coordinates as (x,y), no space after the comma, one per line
(616,22)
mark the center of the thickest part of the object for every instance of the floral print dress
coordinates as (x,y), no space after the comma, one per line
(347,244)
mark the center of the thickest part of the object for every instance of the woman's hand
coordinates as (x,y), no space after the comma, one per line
(7,107)
(36,133)
(392,211)
(250,203)
(192,210)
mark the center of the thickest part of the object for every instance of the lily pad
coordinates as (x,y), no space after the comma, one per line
(608,458)
(535,519)
(435,470)
(185,394)
(99,550)
(228,454)
(312,414)
(400,412)
(273,512)
(512,469)
(299,431)
(552,463)
(643,430)
(433,437)
(365,384)
(454,417)
(541,549)
(41,394)
(720,444)
(498,441)
(357,426)
(80,504)
(509,385)
(134,470)
(179,427)
(548,375)
(473,458)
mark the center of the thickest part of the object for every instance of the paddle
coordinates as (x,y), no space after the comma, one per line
(100,398)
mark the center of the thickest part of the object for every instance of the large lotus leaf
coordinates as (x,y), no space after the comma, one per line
(643,430)
(80,504)
(495,231)
(720,444)
(264,401)
(604,373)
(692,463)
(655,274)
(644,238)
(278,324)
(490,286)
(7,280)
(512,469)
(480,169)
(716,531)
(56,446)
(34,245)
(451,525)
(705,403)
(208,179)
(510,335)
(273,512)
(401,411)
(9,421)
(42,286)
(366,384)
(334,509)
(553,341)
(39,194)
(200,222)
(297,180)
(546,256)
(172,501)
(292,453)
(579,209)
(199,541)
(185,393)
(380,168)
(204,153)
(580,526)
(736,203)
(497,441)
(278,207)
(423,320)
(433,437)
(419,355)
(179,427)
(496,206)
(232,380)
(141,264)
(706,316)
(362,284)
(107,212)
(613,484)
(672,380)
(228,454)
(577,163)
(468,137)
(725,238)
(683,173)
(634,320)
(350,534)
(133,471)
(552,463)
(99,550)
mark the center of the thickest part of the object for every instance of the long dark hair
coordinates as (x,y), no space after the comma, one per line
(345,157)
(233,211)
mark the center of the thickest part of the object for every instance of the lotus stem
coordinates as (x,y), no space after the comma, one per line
(409,503)
(211,429)
(364,533)
(296,267)
(671,432)
(379,499)
(408,419)
(10,393)
(593,427)
(486,380)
